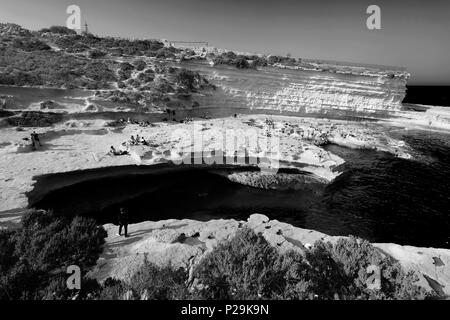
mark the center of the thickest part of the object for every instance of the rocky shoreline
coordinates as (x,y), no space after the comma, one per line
(183,243)
(275,96)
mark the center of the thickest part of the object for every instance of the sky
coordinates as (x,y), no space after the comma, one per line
(414,34)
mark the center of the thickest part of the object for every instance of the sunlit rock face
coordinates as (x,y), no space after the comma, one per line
(357,91)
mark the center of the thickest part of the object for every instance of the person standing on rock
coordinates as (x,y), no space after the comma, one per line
(123,222)
(35,139)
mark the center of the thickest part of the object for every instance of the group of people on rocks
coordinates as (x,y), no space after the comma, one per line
(134,121)
(138,140)
(318,135)
(124,149)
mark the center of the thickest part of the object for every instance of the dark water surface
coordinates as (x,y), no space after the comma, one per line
(378,197)
(25,96)
(387,199)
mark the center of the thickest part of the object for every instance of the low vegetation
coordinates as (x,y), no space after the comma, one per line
(45,67)
(35,119)
(189,80)
(115,46)
(247,267)
(250,61)
(33,259)
(58,30)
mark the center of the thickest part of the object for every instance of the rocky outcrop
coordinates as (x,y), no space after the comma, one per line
(12,29)
(8,102)
(297,91)
(182,243)
(49,105)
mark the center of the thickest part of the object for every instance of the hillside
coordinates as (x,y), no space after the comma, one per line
(152,75)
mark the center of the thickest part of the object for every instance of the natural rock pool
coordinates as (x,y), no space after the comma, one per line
(378,197)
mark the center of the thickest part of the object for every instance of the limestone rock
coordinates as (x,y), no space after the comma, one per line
(256,220)
(48,105)
(183,243)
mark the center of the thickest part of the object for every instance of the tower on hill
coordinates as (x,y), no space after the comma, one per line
(86,30)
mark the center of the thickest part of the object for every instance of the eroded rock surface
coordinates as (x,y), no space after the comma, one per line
(182,243)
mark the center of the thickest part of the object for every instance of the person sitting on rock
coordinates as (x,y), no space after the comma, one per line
(112,151)
(122,220)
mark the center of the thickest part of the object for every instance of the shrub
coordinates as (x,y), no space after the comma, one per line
(33,260)
(229,55)
(139,64)
(125,71)
(7,257)
(30,44)
(6,79)
(242,63)
(46,67)
(99,71)
(95,54)
(280,59)
(189,79)
(247,267)
(35,119)
(61,30)
(241,268)
(164,53)
(149,282)
(52,242)
(6,113)
(112,289)
(161,283)
(43,248)
(146,76)
(355,255)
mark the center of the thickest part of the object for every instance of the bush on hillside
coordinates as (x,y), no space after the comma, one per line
(355,255)
(6,113)
(125,71)
(149,282)
(160,283)
(247,267)
(30,44)
(35,257)
(242,63)
(35,119)
(191,80)
(33,260)
(164,53)
(282,60)
(46,67)
(139,64)
(95,54)
(241,268)
(238,61)
(60,30)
